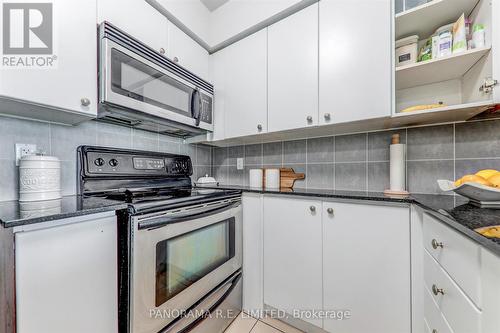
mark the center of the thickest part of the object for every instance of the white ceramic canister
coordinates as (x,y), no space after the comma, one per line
(255,178)
(39,178)
(272,178)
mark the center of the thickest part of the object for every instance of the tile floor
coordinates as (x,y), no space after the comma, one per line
(246,324)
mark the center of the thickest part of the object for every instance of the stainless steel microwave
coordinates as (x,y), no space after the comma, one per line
(142,88)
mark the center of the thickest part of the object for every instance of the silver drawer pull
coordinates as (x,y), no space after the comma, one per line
(330,211)
(309,119)
(436,244)
(435,331)
(436,291)
(85,101)
(312,209)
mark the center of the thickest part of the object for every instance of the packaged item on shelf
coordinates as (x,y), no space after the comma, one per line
(425,53)
(406,51)
(435,46)
(468,32)
(478,36)
(445,40)
(459,35)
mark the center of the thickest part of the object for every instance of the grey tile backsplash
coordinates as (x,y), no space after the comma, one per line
(347,162)
(361,161)
(62,141)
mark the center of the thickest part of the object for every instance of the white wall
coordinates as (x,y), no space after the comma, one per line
(239,15)
(192,13)
(228,20)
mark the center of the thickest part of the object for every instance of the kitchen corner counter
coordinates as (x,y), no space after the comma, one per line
(15,213)
(455,211)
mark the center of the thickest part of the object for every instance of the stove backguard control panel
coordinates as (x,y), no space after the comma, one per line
(116,163)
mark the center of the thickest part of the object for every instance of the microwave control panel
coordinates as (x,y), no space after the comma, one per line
(206,108)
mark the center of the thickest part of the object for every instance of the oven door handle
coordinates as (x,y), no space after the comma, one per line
(163,221)
(187,326)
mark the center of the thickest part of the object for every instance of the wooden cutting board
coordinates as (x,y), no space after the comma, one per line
(288,177)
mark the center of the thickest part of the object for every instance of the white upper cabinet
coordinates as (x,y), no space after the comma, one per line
(355,60)
(246,86)
(292,255)
(293,70)
(217,73)
(137,18)
(70,84)
(186,52)
(366,267)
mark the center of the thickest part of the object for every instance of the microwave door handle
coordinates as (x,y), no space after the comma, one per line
(196,106)
(163,221)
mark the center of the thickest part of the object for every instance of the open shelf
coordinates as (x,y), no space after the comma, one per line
(450,113)
(425,19)
(438,70)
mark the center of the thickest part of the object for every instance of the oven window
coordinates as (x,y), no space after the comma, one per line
(134,79)
(183,260)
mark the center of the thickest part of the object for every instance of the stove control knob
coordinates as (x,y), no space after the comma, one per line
(113,162)
(99,161)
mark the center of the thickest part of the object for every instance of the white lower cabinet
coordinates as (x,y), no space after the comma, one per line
(66,276)
(292,255)
(337,259)
(252,252)
(366,267)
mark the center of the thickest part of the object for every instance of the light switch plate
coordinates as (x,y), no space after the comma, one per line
(23,149)
(239,163)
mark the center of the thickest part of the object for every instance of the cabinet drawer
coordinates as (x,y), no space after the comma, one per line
(459,256)
(459,311)
(434,319)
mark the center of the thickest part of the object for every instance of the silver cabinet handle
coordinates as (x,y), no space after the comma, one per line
(162,50)
(327,116)
(259,127)
(309,119)
(434,331)
(176,60)
(436,291)
(85,101)
(435,244)
(312,209)
(330,211)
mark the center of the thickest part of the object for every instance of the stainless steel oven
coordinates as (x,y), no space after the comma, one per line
(185,262)
(142,88)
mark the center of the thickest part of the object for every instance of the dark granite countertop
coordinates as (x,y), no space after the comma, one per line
(455,211)
(15,213)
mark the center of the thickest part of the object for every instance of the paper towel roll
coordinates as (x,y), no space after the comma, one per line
(255,178)
(273,178)
(397,167)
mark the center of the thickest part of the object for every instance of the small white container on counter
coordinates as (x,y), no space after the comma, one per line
(273,178)
(255,178)
(39,178)
(406,51)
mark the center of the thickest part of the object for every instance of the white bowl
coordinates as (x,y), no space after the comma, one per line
(482,195)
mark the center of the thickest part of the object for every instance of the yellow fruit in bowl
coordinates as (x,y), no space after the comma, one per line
(486,174)
(475,179)
(495,180)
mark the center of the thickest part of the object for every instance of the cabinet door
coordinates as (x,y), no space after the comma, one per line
(355,60)
(137,18)
(293,71)
(246,86)
(366,267)
(73,76)
(292,255)
(66,278)
(217,74)
(186,52)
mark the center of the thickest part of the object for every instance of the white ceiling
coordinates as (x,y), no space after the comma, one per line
(213,4)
